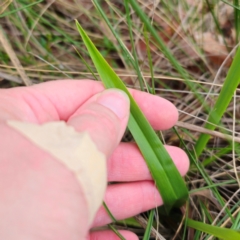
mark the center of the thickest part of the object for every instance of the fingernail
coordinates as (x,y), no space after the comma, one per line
(115,100)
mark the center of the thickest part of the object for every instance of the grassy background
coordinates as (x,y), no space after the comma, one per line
(201,36)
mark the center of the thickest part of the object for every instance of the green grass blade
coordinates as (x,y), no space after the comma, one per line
(116,232)
(232,5)
(19,9)
(211,6)
(229,87)
(109,212)
(159,41)
(167,52)
(147,233)
(146,38)
(137,68)
(205,176)
(165,174)
(120,42)
(236,224)
(237,19)
(222,233)
(130,222)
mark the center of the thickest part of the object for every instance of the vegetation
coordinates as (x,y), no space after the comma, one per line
(182,50)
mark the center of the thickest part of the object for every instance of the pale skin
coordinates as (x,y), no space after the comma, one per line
(40,197)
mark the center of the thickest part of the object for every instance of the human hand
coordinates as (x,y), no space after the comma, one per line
(40,197)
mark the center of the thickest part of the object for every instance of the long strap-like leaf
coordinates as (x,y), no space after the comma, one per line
(222,233)
(165,174)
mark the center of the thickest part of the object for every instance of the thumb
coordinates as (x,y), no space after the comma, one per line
(104,117)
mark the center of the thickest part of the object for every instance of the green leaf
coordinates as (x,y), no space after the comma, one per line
(223,233)
(229,87)
(147,233)
(164,172)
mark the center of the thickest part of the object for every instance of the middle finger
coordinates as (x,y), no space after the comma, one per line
(127,163)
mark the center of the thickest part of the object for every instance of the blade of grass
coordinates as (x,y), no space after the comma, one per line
(167,53)
(90,70)
(236,224)
(211,6)
(133,45)
(232,5)
(128,55)
(146,38)
(121,44)
(4,5)
(237,19)
(167,178)
(130,222)
(12,55)
(85,63)
(149,226)
(223,233)
(204,174)
(109,212)
(116,232)
(159,41)
(229,87)
(19,9)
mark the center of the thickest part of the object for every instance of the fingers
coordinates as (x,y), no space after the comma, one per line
(68,95)
(104,117)
(128,199)
(103,235)
(59,100)
(161,113)
(127,163)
